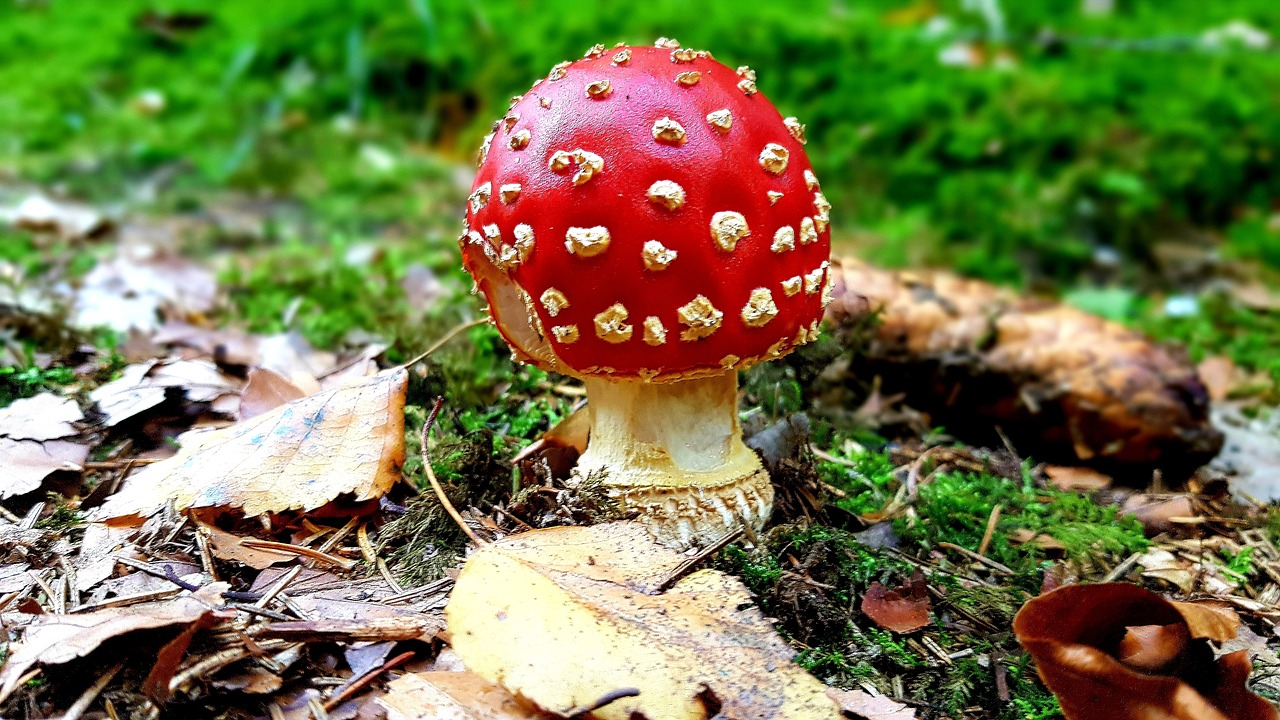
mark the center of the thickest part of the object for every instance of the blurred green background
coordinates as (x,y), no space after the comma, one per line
(1012,140)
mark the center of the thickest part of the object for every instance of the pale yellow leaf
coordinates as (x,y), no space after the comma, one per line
(566,615)
(451,696)
(299,456)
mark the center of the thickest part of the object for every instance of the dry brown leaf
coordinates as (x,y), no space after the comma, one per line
(903,610)
(24,464)
(142,387)
(67,219)
(1044,541)
(1220,376)
(1074,477)
(590,600)
(1063,385)
(1157,513)
(299,456)
(228,546)
(1164,565)
(43,417)
(1208,620)
(451,696)
(132,291)
(865,706)
(1075,632)
(266,390)
(56,639)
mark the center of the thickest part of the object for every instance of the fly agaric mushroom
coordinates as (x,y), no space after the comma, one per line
(644,219)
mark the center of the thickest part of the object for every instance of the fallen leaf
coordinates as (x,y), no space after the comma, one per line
(1164,565)
(1044,541)
(67,219)
(903,610)
(451,696)
(300,456)
(1220,376)
(590,599)
(43,417)
(1157,513)
(56,639)
(1075,632)
(24,464)
(1076,478)
(145,386)
(228,546)
(132,291)
(865,706)
(266,390)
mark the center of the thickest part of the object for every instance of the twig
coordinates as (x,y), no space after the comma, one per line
(991,529)
(273,546)
(683,568)
(606,699)
(279,586)
(457,329)
(367,678)
(435,484)
(1122,568)
(221,659)
(86,698)
(4,512)
(979,558)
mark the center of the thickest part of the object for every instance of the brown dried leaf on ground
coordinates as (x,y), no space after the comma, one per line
(70,220)
(299,456)
(144,386)
(43,417)
(266,390)
(1064,385)
(135,289)
(1078,635)
(451,696)
(56,639)
(903,610)
(865,706)
(591,600)
(32,445)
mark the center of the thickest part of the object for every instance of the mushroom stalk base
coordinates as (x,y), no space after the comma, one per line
(673,452)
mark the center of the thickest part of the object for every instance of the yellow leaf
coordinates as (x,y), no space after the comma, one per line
(451,696)
(298,456)
(564,616)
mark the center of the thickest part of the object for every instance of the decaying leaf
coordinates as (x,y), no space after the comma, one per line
(1065,386)
(903,610)
(1074,477)
(143,387)
(56,639)
(451,696)
(301,455)
(865,706)
(131,291)
(40,213)
(266,390)
(32,445)
(1252,452)
(590,600)
(1082,635)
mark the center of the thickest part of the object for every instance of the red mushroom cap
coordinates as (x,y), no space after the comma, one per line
(658,216)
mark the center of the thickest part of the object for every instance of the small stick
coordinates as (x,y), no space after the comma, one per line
(457,329)
(306,552)
(435,484)
(607,698)
(4,512)
(991,529)
(367,678)
(979,558)
(86,698)
(683,568)
(279,587)
(1122,568)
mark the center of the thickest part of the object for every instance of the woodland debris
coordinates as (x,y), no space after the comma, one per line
(452,696)
(1160,667)
(139,288)
(903,610)
(34,441)
(865,706)
(588,598)
(299,456)
(40,213)
(56,639)
(145,386)
(1063,385)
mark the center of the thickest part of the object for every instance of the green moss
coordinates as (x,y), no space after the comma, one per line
(16,382)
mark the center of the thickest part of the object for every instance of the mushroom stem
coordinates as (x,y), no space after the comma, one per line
(673,452)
